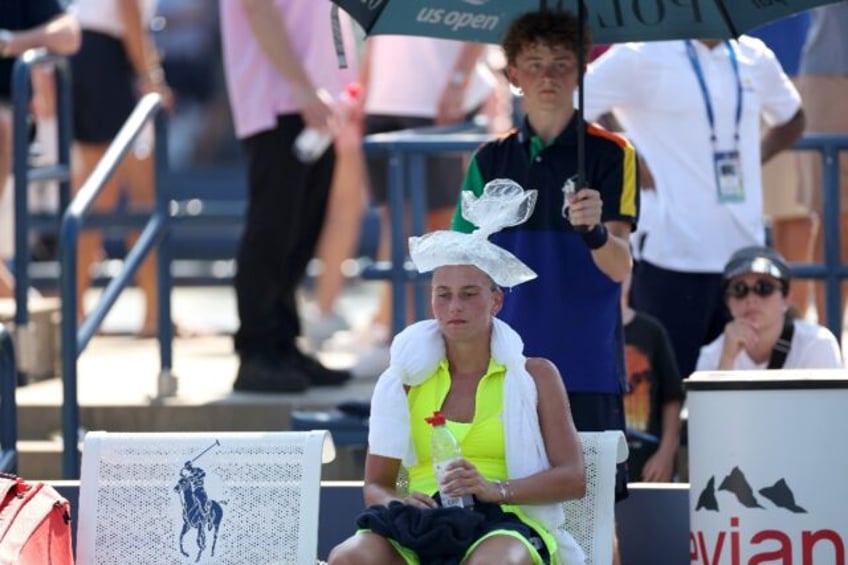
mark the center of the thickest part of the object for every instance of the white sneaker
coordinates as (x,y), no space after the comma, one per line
(321,329)
(371,363)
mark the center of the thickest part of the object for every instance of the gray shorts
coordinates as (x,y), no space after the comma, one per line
(445,173)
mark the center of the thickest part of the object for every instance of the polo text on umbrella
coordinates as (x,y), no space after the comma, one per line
(646,12)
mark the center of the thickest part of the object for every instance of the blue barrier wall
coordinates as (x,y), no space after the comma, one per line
(653,523)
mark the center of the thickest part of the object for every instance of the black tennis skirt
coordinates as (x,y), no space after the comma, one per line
(104,92)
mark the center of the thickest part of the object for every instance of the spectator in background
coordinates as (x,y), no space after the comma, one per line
(572,313)
(187,35)
(762,333)
(707,174)
(823,83)
(340,232)
(344,218)
(413,82)
(279,63)
(116,64)
(24,24)
(654,396)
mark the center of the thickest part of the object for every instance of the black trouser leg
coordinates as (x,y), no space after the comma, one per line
(287,202)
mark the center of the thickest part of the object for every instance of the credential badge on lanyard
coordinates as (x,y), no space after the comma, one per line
(726,164)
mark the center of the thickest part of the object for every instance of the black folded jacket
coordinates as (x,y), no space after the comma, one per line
(441,536)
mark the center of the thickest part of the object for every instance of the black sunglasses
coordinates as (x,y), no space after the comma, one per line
(762,288)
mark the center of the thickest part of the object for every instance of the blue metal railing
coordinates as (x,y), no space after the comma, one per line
(74,341)
(833,271)
(407,152)
(23,173)
(156,231)
(8,407)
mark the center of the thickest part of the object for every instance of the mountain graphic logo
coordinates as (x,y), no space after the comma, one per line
(779,494)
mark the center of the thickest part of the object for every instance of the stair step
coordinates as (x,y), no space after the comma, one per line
(39,460)
(42,460)
(38,422)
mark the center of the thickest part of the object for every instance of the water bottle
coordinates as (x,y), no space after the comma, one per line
(445,449)
(312,142)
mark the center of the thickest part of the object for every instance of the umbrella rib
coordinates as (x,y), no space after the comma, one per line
(725,15)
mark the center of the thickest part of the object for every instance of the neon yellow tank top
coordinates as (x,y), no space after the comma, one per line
(482,439)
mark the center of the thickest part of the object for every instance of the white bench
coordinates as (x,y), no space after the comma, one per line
(591,520)
(139,499)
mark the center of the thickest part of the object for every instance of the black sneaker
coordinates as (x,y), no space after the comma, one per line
(261,374)
(318,374)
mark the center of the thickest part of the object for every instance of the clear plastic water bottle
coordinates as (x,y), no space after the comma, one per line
(445,449)
(312,142)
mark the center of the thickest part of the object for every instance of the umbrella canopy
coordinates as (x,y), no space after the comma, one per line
(610,21)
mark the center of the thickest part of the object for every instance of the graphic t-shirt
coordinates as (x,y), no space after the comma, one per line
(652,380)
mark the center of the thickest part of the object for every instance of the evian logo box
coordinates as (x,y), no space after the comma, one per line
(768,467)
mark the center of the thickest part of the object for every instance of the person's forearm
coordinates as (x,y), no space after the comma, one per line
(566,482)
(273,38)
(365,66)
(137,44)
(374,493)
(782,137)
(467,59)
(670,438)
(60,35)
(614,258)
(726,361)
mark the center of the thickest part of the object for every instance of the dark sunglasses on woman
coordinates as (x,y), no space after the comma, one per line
(762,288)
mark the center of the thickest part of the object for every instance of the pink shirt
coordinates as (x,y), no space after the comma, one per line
(258,93)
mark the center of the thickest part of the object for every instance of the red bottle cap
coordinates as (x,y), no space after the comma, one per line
(353,90)
(437,419)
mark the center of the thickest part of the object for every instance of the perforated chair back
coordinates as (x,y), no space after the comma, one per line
(591,519)
(226,497)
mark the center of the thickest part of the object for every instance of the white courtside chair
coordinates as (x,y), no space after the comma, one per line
(591,520)
(138,502)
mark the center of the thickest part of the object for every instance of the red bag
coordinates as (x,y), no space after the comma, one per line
(35,524)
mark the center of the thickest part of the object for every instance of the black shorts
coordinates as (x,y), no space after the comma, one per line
(103,87)
(593,412)
(445,173)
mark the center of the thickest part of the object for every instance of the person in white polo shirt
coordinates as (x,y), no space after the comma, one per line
(763,333)
(693,109)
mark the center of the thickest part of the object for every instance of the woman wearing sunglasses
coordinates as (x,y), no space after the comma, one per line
(763,333)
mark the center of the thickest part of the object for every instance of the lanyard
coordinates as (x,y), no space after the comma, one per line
(705,91)
(338,38)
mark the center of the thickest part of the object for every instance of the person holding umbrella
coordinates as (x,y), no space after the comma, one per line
(694,111)
(576,240)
